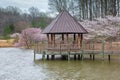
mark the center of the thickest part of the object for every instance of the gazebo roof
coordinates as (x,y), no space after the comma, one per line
(64,23)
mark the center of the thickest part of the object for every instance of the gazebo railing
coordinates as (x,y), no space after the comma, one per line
(63,47)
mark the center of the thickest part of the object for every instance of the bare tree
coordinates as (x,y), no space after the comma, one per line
(87,9)
(118,7)
(34,12)
(63,5)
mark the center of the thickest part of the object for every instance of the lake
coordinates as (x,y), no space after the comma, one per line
(18,64)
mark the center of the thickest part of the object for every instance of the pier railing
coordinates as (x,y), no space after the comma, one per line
(102,46)
(92,48)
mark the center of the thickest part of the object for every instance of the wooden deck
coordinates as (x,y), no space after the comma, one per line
(92,49)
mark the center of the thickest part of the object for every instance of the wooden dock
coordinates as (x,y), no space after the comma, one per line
(91,49)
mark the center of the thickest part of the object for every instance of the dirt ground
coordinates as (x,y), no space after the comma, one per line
(7,43)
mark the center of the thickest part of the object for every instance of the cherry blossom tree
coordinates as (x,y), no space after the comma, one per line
(30,36)
(108,27)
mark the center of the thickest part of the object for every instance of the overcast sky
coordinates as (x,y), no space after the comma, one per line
(42,5)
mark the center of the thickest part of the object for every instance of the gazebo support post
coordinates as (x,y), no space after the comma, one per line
(48,38)
(74,37)
(51,40)
(62,37)
(67,38)
(54,40)
(79,40)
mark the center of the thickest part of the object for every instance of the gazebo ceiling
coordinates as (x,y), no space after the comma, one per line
(64,23)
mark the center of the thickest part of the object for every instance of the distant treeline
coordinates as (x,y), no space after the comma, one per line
(12,19)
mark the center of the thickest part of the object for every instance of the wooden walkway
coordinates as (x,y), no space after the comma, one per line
(91,49)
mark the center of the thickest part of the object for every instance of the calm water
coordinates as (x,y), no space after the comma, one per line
(18,64)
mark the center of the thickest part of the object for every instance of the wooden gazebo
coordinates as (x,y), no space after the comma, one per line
(64,33)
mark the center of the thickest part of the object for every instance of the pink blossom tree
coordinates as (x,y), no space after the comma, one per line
(108,27)
(29,36)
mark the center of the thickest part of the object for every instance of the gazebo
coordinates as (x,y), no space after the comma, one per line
(64,33)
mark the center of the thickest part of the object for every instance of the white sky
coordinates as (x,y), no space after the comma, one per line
(42,5)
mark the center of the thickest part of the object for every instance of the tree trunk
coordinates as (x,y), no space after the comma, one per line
(102,9)
(90,9)
(114,8)
(106,7)
(118,5)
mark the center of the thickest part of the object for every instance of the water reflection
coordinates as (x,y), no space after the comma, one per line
(18,64)
(79,70)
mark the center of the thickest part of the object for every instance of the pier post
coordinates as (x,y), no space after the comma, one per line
(34,55)
(53,57)
(109,57)
(68,55)
(90,56)
(74,56)
(103,49)
(93,56)
(78,56)
(47,57)
(43,55)
(82,57)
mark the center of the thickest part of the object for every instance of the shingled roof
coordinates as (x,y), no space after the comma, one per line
(64,23)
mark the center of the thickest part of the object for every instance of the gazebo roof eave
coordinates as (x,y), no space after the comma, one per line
(66,33)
